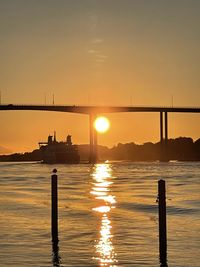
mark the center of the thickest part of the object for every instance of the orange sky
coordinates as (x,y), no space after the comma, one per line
(98,52)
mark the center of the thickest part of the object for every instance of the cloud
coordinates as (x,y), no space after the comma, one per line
(92,51)
(97,40)
(100,56)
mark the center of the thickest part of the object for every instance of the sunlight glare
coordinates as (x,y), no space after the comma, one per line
(101,124)
(101,189)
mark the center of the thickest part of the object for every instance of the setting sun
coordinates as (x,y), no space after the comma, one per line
(101,124)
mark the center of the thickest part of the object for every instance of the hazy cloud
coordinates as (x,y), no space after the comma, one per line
(97,40)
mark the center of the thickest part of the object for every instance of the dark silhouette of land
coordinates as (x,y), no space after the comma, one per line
(181,148)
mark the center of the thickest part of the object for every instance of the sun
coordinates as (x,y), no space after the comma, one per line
(101,124)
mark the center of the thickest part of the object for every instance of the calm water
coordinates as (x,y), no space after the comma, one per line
(107,214)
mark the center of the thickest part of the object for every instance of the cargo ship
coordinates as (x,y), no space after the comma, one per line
(59,152)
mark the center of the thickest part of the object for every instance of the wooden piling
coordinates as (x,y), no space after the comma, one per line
(56,259)
(162,222)
(54,207)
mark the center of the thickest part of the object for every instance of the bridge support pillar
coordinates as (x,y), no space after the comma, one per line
(166,129)
(161,127)
(164,139)
(93,139)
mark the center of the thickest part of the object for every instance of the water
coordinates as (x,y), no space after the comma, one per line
(107,214)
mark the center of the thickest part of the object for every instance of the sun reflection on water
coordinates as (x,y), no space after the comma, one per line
(102,180)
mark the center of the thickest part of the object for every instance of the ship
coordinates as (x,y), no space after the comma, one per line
(53,151)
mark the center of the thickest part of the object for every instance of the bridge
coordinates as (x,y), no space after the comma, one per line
(93,111)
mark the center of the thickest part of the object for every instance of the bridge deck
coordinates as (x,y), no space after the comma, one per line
(100,109)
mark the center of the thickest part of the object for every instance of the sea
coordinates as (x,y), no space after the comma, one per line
(108,214)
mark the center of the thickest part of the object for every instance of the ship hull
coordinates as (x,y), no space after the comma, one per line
(63,158)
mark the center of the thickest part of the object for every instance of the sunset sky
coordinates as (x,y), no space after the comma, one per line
(95,52)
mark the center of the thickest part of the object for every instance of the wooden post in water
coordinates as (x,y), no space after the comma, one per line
(162,222)
(54,207)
